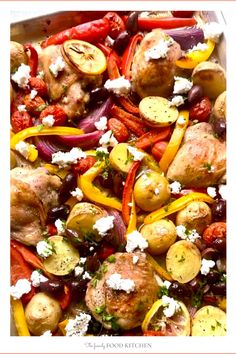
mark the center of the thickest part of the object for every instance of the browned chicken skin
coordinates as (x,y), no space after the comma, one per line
(128,309)
(201,160)
(33,193)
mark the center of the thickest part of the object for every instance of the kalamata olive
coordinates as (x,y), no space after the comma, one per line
(105,180)
(121,42)
(219,127)
(52,286)
(94,326)
(179,290)
(74,238)
(68,185)
(195,93)
(60,212)
(92,263)
(78,287)
(219,210)
(220,244)
(182,13)
(132,23)
(219,288)
(213,277)
(118,185)
(98,95)
(87,248)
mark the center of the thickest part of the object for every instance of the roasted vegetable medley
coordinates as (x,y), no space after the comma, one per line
(118,178)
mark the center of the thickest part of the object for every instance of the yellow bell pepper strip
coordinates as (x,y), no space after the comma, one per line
(62,325)
(151,163)
(192,59)
(85,181)
(177,205)
(160,271)
(19,318)
(133,219)
(175,140)
(222,304)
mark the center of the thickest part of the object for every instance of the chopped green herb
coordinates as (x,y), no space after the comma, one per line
(104,268)
(208,166)
(218,323)
(111,259)
(100,309)
(40,127)
(213,327)
(182,259)
(163,291)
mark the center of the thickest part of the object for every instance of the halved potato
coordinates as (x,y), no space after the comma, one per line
(120,158)
(156,111)
(219,109)
(183,261)
(209,321)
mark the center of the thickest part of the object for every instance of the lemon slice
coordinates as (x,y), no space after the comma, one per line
(87,58)
(176,325)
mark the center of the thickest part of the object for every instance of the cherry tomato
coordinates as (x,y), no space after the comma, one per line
(39,85)
(105,251)
(158,149)
(51,229)
(182,13)
(116,24)
(119,130)
(34,106)
(214,231)
(84,165)
(57,112)
(201,110)
(20,121)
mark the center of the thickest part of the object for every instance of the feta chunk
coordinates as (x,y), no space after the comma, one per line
(44,249)
(182,85)
(101,124)
(200,46)
(83,260)
(116,282)
(24,148)
(103,225)
(213,31)
(46,334)
(77,193)
(160,50)
(40,75)
(33,94)
(86,275)
(78,271)
(135,240)
(206,266)
(22,76)
(166,284)
(48,121)
(135,259)
(108,139)
(21,108)
(120,86)
(211,191)
(22,286)
(171,306)
(223,191)
(175,187)
(138,155)
(60,225)
(102,150)
(181,121)
(37,278)
(57,66)
(78,326)
(63,159)
(188,235)
(176,101)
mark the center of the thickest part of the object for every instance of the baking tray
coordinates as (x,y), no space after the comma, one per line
(38,28)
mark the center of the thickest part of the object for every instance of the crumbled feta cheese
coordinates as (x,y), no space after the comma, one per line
(21,108)
(82,260)
(175,187)
(109,41)
(156,191)
(22,286)
(86,275)
(144,14)
(103,225)
(33,94)
(57,66)
(135,259)
(182,85)
(176,101)
(200,46)
(213,31)
(48,121)
(23,148)
(166,284)
(116,282)
(60,225)
(171,306)
(91,248)
(78,271)
(108,139)
(44,249)
(78,326)
(63,159)
(206,266)
(37,278)
(102,150)
(77,193)
(223,191)
(135,240)
(211,191)
(160,50)
(184,234)
(22,76)
(40,75)
(181,121)
(101,124)
(138,155)
(46,334)
(65,100)
(120,86)
(181,231)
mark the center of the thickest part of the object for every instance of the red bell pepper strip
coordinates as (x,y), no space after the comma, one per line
(152,137)
(92,32)
(33,59)
(132,122)
(106,50)
(113,66)
(128,55)
(128,190)
(20,270)
(150,23)
(65,298)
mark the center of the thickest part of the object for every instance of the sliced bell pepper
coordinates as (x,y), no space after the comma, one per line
(33,59)
(177,205)
(92,192)
(62,326)
(149,23)
(160,271)
(128,55)
(104,48)
(65,298)
(19,318)
(152,137)
(113,66)
(151,163)
(192,59)
(132,226)
(128,190)
(175,141)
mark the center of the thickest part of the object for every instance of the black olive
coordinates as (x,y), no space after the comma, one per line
(179,290)
(60,212)
(213,277)
(98,95)
(118,185)
(68,185)
(92,263)
(78,287)
(195,93)
(219,127)
(220,244)
(74,238)
(121,42)
(94,327)
(52,286)
(219,210)
(219,288)
(132,23)
(106,181)
(87,248)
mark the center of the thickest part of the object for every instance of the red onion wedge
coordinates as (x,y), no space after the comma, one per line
(187,37)
(87,123)
(119,229)
(84,141)
(47,146)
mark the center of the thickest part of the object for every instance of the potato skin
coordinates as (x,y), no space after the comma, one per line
(196,215)
(219,109)
(18,56)
(160,235)
(42,314)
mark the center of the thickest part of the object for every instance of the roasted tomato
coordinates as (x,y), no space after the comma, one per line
(116,24)
(84,165)
(57,112)
(34,105)
(158,149)
(119,130)
(214,231)
(201,110)
(39,85)
(20,121)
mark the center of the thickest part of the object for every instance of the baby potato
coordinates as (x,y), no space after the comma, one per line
(219,109)
(160,235)
(196,215)
(151,191)
(42,314)
(18,56)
